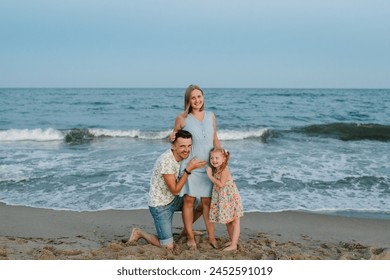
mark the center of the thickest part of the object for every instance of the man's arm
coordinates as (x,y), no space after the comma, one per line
(173,186)
(170,179)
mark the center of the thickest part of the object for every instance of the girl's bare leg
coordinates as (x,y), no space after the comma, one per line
(209,225)
(235,235)
(229,228)
(188,217)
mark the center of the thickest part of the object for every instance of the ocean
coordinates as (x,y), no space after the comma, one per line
(313,150)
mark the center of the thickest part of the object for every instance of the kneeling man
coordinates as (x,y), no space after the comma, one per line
(164,190)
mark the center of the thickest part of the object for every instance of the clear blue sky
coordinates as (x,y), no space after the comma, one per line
(214,43)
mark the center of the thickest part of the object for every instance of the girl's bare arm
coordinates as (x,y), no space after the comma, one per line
(219,183)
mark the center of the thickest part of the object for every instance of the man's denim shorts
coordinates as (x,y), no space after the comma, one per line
(162,216)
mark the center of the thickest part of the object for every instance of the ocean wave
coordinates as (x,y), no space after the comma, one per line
(135,133)
(37,134)
(261,133)
(85,135)
(349,131)
(79,136)
(342,131)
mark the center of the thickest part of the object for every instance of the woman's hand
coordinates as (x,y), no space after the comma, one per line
(172,136)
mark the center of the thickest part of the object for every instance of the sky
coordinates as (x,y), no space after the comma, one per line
(213,43)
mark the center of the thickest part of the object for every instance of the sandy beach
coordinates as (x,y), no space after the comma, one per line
(41,234)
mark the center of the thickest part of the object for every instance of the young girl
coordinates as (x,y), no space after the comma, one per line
(226,207)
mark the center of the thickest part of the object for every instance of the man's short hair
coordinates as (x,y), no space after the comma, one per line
(183,134)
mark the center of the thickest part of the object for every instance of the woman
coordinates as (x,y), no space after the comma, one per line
(202,125)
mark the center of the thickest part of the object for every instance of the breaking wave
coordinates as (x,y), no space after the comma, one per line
(349,131)
(342,131)
(85,135)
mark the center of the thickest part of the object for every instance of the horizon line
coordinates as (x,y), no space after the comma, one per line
(175,87)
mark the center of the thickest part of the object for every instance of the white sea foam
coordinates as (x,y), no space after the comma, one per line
(135,133)
(50,134)
(14,172)
(115,133)
(37,134)
(239,135)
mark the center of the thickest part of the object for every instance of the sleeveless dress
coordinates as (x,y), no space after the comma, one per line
(226,204)
(198,184)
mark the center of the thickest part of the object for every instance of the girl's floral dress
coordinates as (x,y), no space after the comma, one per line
(226,204)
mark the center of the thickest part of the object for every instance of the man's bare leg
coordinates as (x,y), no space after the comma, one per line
(137,234)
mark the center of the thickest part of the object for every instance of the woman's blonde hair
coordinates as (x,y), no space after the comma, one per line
(187,96)
(225,153)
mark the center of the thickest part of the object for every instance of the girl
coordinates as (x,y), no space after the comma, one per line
(226,207)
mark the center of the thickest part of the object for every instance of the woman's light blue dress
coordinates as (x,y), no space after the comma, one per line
(198,184)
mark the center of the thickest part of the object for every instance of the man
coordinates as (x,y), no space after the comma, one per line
(164,190)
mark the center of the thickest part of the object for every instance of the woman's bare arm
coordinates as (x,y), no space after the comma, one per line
(179,124)
(216,142)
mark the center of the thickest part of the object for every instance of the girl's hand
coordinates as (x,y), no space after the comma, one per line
(209,172)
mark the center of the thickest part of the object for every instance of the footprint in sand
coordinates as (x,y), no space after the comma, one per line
(43,254)
(3,252)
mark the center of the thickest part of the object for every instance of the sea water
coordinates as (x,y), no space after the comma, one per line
(315,150)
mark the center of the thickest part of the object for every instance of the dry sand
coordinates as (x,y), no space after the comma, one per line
(30,233)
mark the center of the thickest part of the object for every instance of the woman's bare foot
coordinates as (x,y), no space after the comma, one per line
(191,245)
(195,232)
(230,248)
(227,244)
(213,243)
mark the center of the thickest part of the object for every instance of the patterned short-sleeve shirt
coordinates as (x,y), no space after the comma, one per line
(159,193)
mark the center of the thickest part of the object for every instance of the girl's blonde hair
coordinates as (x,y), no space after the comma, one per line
(225,153)
(187,96)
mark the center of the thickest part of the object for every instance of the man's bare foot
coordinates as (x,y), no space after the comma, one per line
(135,235)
